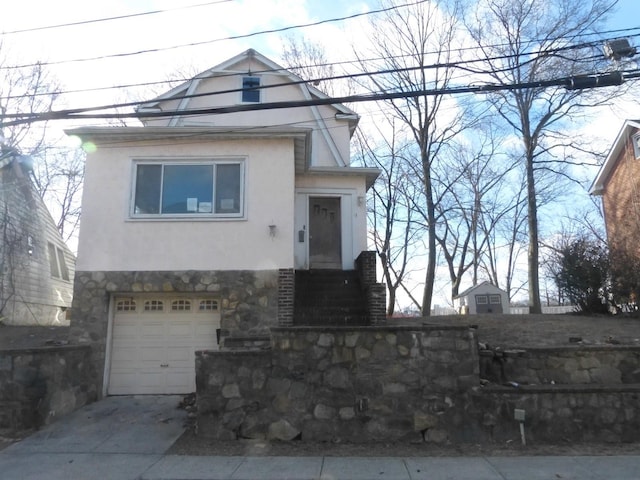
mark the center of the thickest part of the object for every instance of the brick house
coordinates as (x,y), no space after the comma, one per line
(204,231)
(618,183)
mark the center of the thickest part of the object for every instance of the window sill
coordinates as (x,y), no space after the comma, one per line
(184,218)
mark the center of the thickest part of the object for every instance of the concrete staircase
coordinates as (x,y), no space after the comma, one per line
(329,297)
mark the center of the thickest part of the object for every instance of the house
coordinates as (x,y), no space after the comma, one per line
(618,183)
(36,266)
(482,298)
(204,227)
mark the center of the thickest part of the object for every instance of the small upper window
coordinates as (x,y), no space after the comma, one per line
(251,89)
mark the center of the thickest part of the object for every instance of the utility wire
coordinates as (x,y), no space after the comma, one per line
(208,42)
(108,19)
(458,64)
(66,115)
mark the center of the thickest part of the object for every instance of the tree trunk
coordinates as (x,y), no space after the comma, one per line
(533,260)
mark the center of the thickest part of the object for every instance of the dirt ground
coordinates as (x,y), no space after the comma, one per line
(506,331)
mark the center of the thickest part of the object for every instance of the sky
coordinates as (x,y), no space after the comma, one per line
(209,24)
(190,36)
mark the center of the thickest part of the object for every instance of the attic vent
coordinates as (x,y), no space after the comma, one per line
(635,139)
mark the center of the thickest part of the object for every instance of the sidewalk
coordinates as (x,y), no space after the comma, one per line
(125,438)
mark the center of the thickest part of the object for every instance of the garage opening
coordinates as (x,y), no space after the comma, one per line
(154,340)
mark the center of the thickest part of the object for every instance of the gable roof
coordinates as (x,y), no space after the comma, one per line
(471,289)
(629,126)
(225,67)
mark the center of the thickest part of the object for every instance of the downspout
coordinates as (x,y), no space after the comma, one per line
(323,128)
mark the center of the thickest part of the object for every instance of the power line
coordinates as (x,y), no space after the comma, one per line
(456,64)
(208,42)
(108,19)
(572,83)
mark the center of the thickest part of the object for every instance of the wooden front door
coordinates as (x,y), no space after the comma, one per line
(325,233)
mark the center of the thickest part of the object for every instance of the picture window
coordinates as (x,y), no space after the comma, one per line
(206,189)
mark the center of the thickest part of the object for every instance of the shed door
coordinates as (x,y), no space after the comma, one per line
(489,303)
(325,233)
(154,342)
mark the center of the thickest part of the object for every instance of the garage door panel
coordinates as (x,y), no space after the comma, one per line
(153,352)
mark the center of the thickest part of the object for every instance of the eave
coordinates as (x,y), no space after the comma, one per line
(597,187)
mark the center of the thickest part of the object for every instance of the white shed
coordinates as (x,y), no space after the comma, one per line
(483,298)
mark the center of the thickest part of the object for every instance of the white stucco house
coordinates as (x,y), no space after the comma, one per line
(482,298)
(196,224)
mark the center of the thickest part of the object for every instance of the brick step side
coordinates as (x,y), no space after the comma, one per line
(329,297)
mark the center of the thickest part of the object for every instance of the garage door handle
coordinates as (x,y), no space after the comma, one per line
(164,365)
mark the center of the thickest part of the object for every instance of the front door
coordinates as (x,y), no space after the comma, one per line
(325,235)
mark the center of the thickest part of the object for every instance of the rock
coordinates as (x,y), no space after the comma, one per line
(282,430)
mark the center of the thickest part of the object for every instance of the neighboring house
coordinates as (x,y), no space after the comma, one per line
(195,227)
(36,266)
(618,182)
(482,298)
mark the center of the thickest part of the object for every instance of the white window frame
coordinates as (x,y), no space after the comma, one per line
(260,89)
(240,215)
(635,140)
(484,297)
(495,299)
(57,262)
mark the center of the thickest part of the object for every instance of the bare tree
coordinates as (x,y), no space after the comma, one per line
(524,42)
(413,45)
(58,173)
(308,60)
(391,214)
(58,177)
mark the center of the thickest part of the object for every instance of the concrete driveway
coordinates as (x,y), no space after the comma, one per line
(115,438)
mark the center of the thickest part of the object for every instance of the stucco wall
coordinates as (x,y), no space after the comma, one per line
(111,240)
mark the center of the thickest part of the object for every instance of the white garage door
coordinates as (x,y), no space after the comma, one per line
(154,341)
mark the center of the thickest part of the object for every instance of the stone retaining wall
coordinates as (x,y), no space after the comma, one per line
(562,413)
(377,384)
(605,364)
(331,384)
(39,385)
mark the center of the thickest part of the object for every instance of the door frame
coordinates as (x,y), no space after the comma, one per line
(301,224)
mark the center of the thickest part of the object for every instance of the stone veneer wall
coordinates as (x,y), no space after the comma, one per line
(249,301)
(345,383)
(602,364)
(562,413)
(39,385)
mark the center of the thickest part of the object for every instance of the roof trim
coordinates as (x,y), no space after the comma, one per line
(597,187)
(471,289)
(224,68)
(370,174)
(197,133)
